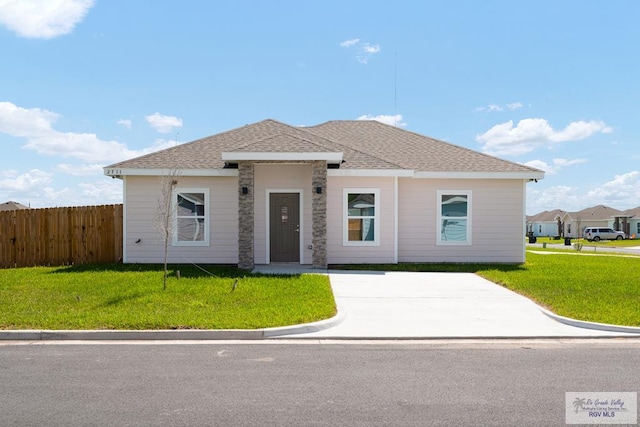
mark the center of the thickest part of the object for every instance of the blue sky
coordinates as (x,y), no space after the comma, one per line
(551,84)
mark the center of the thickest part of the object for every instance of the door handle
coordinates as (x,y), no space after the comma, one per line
(298,228)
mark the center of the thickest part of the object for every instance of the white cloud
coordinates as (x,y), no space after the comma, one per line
(34,188)
(36,126)
(580,130)
(80,170)
(364,50)
(369,48)
(349,43)
(395,120)
(43,19)
(126,123)
(622,192)
(106,191)
(33,179)
(83,146)
(495,107)
(558,197)
(162,123)
(530,134)
(619,191)
(555,166)
(23,122)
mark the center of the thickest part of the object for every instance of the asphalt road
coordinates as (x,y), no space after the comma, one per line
(307,383)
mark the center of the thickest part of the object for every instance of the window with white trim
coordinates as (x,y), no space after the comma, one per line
(191,226)
(454,217)
(361,216)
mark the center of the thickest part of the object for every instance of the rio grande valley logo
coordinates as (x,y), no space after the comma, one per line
(601,407)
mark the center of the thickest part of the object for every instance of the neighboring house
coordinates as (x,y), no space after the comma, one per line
(12,206)
(572,224)
(336,193)
(629,222)
(545,224)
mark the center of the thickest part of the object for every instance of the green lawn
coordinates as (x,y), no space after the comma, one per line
(131,297)
(603,288)
(610,243)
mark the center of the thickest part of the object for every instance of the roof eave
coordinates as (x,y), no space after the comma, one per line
(528,175)
(120,172)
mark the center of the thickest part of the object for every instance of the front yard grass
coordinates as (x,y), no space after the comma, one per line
(627,243)
(604,289)
(131,297)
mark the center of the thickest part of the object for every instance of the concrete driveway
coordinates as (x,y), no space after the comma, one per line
(437,305)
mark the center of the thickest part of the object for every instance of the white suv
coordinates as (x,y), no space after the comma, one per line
(599,233)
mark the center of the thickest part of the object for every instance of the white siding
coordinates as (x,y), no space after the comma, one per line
(142,196)
(281,177)
(337,252)
(497,217)
(546,229)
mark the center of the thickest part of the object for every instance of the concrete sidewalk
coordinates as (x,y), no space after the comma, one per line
(439,305)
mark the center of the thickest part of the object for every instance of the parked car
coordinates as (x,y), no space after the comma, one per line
(599,233)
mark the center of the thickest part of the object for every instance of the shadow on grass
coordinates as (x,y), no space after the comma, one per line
(433,268)
(186,270)
(122,298)
(233,272)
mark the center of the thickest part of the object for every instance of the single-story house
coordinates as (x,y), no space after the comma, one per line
(545,224)
(336,193)
(572,224)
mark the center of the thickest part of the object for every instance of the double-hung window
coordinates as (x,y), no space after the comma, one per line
(361,217)
(191,225)
(454,217)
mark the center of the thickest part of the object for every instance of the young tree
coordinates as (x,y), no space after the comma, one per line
(164,221)
(579,242)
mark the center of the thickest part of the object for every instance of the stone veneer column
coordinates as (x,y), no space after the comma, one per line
(319,214)
(245,215)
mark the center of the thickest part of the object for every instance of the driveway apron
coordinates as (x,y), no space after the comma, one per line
(437,305)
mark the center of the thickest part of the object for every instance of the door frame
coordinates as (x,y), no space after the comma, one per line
(268,193)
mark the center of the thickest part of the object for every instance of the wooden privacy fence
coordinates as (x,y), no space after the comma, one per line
(61,236)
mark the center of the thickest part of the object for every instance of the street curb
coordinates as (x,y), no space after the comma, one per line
(590,325)
(305,328)
(170,334)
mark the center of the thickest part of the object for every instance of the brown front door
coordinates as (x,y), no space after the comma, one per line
(284,233)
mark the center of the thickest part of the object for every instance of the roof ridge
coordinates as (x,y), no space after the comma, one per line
(302,138)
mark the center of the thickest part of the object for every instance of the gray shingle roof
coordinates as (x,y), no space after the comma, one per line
(364,144)
(546,216)
(633,212)
(599,212)
(12,206)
